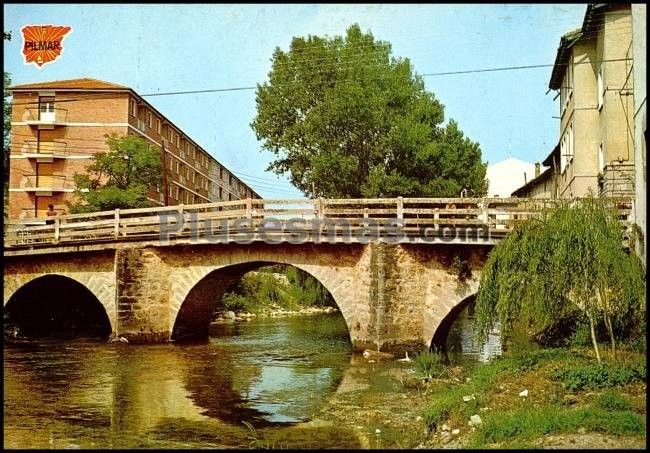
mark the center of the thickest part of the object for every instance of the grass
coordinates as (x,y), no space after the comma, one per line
(549,375)
(532,422)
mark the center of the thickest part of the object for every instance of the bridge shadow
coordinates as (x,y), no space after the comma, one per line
(57,307)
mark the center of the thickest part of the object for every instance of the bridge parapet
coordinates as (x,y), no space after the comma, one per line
(394,220)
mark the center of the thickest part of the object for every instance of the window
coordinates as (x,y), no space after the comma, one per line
(178,140)
(178,167)
(220,193)
(133,109)
(158,125)
(149,119)
(566,148)
(566,90)
(169,191)
(193,176)
(601,159)
(563,154)
(601,89)
(46,108)
(570,145)
(177,193)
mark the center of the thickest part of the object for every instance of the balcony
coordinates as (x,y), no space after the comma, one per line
(46,119)
(46,185)
(45,151)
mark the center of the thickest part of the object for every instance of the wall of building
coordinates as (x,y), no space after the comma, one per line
(639,51)
(86,118)
(86,121)
(592,123)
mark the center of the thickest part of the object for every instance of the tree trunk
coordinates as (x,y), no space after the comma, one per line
(608,321)
(610,331)
(593,337)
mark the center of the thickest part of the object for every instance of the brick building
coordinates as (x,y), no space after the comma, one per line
(56,127)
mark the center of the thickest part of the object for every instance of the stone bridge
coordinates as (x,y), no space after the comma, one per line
(394,290)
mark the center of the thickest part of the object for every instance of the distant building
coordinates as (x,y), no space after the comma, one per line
(640,128)
(56,128)
(506,175)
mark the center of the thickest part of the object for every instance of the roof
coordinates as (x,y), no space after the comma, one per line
(548,162)
(71,84)
(590,24)
(537,180)
(561,59)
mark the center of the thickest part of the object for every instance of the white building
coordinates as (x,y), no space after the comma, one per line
(506,176)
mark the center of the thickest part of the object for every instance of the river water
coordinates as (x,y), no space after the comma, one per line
(269,373)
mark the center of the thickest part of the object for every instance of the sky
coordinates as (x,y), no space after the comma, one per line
(168,48)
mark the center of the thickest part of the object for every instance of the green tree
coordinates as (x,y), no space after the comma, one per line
(346,119)
(572,258)
(119,178)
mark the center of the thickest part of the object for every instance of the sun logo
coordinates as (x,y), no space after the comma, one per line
(42,44)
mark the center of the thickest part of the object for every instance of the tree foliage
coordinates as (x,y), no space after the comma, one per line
(570,259)
(119,178)
(346,119)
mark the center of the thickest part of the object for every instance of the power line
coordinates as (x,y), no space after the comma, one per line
(360,79)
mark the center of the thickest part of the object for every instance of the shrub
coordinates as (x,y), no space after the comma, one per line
(429,364)
(613,401)
(593,376)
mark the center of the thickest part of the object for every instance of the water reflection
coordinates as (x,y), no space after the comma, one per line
(461,341)
(92,394)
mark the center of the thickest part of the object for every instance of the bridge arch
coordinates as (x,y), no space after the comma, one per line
(198,289)
(442,309)
(46,305)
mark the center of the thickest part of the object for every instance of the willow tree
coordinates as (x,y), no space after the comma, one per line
(344,118)
(572,258)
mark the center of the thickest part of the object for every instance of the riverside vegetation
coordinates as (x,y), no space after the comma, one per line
(567,282)
(276,290)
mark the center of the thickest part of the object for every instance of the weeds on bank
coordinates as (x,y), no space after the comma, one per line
(533,422)
(429,364)
(609,413)
(594,376)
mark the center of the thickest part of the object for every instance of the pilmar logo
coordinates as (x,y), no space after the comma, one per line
(43,44)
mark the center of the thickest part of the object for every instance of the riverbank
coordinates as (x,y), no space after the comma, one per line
(274,311)
(542,399)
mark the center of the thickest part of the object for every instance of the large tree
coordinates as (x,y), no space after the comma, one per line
(571,260)
(119,178)
(346,119)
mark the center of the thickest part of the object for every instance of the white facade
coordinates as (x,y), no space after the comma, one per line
(639,52)
(508,175)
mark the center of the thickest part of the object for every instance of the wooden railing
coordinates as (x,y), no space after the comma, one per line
(330,219)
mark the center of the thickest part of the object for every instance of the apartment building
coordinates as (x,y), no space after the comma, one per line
(56,128)
(640,127)
(593,77)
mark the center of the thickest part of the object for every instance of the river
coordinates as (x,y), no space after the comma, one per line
(266,374)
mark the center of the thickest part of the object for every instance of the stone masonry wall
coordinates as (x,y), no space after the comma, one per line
(142,296)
